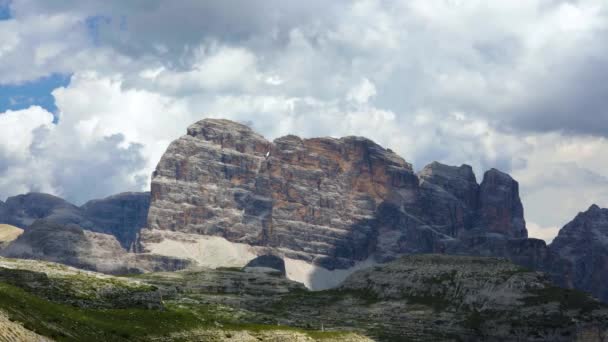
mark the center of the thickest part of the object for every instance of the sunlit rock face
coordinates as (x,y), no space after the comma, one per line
(329,202)
(579,253)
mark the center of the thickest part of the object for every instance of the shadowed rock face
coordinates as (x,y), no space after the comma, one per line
(267,263)
(579,253)
(330,202)
(500,209)
(121,215)
(72,245)
(23,210)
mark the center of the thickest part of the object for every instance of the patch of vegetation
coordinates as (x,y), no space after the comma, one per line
(230,269)
(68,323)
(474,320)
(568,299)
(320,299)
(437,303)
(447,277)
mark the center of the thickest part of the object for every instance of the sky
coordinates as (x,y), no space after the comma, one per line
(92,92)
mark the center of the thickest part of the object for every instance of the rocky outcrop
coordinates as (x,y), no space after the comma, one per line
(329,202)
(72,245)
(579,253)
(268,263)
(8,234)
(500,209)
(312,199)
(439,297)
(121,215)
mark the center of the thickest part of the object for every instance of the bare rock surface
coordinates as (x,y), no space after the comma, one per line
(579,253)
(15,332)
(8,234)
(72,245)
(329,202)
(121,215)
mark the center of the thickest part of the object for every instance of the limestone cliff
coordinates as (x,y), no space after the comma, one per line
(579,253)
(324,201)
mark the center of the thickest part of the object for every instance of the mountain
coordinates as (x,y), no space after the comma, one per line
(327,206)
(579,253)
(121,215)
(72,245)
(95,236)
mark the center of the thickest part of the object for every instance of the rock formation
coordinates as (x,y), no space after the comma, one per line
(440,297)
(23,210)
(72,245)
(8,234)
(121,215)
(579,253)
(328,202)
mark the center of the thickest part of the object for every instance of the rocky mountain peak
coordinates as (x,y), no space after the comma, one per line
(326,202)
(580,253)
(229,134)
(501,210)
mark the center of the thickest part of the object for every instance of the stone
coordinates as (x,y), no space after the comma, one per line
(121,215)
(72,245)
(310,199)
(329,202)
(23,210)
(267,263)
(500,208)
(8,234)
(579,253)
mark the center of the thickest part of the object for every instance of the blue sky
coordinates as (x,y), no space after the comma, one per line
(32,93)
(4,10)
(454,81)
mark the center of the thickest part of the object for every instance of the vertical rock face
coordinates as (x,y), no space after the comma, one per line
(449,197)
(329,202)
(312,199)
(579,254)
(500,209)
(121,215)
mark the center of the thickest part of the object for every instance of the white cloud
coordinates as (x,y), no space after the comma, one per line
(455,81)
(18,128)
(543,233)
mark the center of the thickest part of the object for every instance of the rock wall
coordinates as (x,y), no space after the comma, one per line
(579,253)
(327,201)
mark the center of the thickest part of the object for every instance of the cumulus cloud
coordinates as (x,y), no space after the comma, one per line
(513,85)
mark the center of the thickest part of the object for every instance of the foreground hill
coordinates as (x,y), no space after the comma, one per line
(67,304)
(423,298)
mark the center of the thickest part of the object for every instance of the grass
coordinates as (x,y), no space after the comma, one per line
(568,299)
(68,323)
